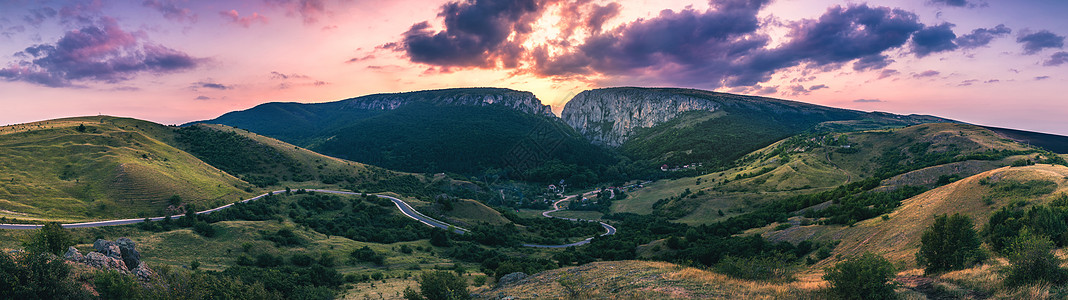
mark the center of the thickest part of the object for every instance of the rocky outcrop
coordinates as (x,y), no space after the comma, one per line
(607,116)
(518,100)
(511,278)
(120,255)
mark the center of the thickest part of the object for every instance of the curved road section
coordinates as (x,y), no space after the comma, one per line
(608,229)
(404,208)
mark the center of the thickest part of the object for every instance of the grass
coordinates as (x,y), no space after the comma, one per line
(650,280)
(578,214)
(809,164)
(897,237)
(116,167)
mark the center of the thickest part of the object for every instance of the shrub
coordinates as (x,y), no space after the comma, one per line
(52,238)
(37,276)
(1033,261)
(761,267)
(204,229)
(115,285)
(951,243)
(862,277)
(439,285)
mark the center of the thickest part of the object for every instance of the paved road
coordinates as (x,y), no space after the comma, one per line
(609,230)
(404,208)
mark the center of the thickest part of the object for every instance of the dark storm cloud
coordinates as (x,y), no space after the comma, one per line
(686,46)
(982,36)
(721,46)
(1057,59)
(934,39)
(475,35)
(171,11)
(1034,42)
(96,53)
(841,35)
(600,15)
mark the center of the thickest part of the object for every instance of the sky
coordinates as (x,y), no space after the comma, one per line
(997,63)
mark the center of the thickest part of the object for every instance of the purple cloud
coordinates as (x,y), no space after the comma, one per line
(94,53)
(957,3)
(982,36)
(1034,42)
(1041,77)
(934,39)
(39,15)
(309,10)
(476,34)
(245,21)
(171,11)
(928,73)
(868,101)
(1057,59)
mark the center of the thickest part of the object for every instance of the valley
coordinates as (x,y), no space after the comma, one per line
(632,192)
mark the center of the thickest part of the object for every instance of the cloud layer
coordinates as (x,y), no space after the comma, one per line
(102,52)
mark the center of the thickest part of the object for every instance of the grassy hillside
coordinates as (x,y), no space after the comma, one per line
(917,155)
(102,167)
(897,237)
(631,279)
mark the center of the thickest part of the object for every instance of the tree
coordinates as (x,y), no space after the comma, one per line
(439,285)
(951,243)
(37,276)
(862,277)
(81,128)
(1033,261)
(52,238)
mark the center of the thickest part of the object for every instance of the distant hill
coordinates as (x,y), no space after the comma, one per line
(1051,142)
(683,126)
(103,167)
(466,131)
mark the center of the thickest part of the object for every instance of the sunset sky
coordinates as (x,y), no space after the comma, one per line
(998,63)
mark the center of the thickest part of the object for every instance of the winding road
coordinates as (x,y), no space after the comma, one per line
(404,208)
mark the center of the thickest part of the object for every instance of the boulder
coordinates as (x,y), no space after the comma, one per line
(73,254)
(107,248)
(128,251)
(143,272)
(101,261)
(511,278)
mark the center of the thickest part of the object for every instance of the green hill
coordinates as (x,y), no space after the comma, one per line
(466,131)
(103,167)
(979,196)
(919,155)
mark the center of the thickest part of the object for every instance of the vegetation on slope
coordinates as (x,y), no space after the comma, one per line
(102,167)
(468,140)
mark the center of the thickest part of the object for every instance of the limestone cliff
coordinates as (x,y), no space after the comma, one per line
(518,100)
(607,116)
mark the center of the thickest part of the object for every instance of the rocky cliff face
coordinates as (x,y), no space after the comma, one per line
(518,100)
(607,116)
